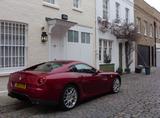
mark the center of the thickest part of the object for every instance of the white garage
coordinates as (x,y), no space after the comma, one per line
(71,42)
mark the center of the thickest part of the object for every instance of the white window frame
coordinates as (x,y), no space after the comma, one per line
(127,13)
(87,38)
(77,4)
(151,30)
(105,48)
(54,5)
(156,32)
(105,9)
(50,1)
(117,10)
(73,36)
(138,24)
(145,27)
(100,50)
(14,32)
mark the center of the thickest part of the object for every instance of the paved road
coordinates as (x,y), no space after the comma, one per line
(139,98)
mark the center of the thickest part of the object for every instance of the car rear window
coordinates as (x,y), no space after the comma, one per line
(47,67)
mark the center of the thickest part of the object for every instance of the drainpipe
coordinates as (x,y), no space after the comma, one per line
(96,37)
(155,33)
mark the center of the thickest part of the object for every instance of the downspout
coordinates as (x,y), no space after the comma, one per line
(96,34)
(155,40)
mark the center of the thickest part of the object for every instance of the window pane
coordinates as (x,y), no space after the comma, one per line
(105,9)
(70,36)
(0,62)
(50,1)
(83,37)
(100,49)
(12,36)
(117,10)
(87,38)
(75,36)
(76,3)
(127,15)
(2,39)
(105,51)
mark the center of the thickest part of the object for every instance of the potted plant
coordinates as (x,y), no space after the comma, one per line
(119,70)
(107,59)
(127,70)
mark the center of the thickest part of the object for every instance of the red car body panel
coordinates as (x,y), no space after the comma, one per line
(87,84)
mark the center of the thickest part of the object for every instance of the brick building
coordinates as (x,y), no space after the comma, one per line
(148,26)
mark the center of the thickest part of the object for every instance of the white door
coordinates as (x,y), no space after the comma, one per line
(158,58)
(57,48)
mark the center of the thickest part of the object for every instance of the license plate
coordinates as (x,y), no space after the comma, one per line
(20,85)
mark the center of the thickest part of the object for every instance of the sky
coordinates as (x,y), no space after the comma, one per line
(154,3)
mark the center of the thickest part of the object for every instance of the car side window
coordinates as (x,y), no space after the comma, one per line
(83,68)
(73,69)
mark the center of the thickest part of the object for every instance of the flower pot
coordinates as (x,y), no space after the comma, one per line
(147,70)
(128,70)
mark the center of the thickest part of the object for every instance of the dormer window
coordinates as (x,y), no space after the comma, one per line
(76,3)
(50,1)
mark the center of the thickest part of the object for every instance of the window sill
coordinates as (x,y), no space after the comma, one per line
(77,9)
(7,72)
(54,6)
(4,74)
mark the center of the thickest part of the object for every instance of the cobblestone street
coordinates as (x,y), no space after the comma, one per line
(139,98)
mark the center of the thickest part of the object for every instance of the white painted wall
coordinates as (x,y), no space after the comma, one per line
(33,13)
(108,36)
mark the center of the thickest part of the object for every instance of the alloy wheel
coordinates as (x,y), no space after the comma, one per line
(70,97)
(116,85)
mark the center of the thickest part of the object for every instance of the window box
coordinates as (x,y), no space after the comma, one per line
(107,67)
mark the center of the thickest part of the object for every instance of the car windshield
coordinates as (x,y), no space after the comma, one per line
(47,67)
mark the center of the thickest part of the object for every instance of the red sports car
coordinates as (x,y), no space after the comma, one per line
(62,82)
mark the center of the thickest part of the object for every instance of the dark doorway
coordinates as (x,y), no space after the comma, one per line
(153,56)
(143,55)
(120,55)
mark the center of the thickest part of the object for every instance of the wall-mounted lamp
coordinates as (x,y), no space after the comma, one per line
(44,35)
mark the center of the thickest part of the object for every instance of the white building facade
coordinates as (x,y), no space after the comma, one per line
(69,27)
(107,44)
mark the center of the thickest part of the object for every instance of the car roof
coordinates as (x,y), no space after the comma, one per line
(65,61)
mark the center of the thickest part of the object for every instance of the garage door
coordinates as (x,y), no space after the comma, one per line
(158,57)
(80,52)
(143,55)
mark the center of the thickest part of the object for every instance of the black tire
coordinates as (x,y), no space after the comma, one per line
(67,101)
(116,85)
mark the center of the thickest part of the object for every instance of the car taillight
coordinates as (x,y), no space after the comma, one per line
(42,80)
